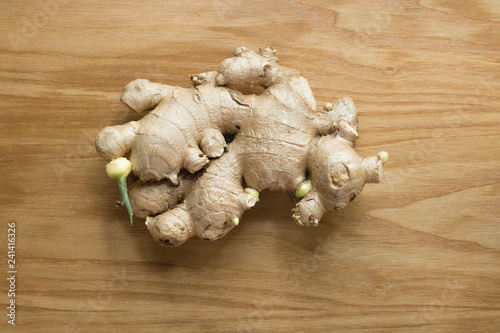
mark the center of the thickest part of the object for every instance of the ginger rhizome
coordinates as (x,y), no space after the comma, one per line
(191,182)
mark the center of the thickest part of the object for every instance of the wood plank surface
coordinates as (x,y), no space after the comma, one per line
(419,252)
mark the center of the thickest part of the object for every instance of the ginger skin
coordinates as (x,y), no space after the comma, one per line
(181,132)
(280,141)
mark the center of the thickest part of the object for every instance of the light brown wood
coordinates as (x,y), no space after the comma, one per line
(419,252)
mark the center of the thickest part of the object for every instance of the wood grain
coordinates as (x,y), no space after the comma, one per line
(419,252)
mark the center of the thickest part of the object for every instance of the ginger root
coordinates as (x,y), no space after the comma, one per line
(191,182)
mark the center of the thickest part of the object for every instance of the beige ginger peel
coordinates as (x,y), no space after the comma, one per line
(191,182)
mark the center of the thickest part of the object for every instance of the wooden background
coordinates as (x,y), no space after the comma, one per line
(419,252)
